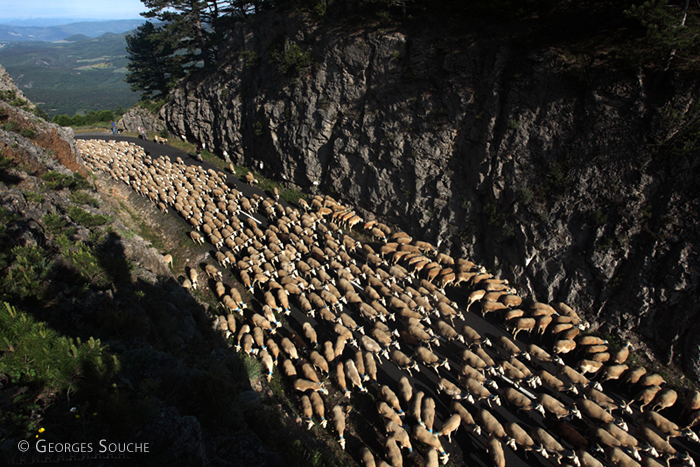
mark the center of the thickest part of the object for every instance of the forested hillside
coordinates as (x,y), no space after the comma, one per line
(75,75)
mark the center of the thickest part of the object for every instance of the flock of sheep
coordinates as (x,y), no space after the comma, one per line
(388,302)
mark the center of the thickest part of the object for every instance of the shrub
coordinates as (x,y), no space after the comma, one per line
(58,181)
(85,261)
(294,60)
(28,273)
(33,196)
(86,219)
(37,357)
(80,197)
(28,133)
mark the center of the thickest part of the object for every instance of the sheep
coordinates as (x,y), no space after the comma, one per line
(589,366)
(518,399)
(196,238)
(593,410)
(471,372)
(660,445)
(466,417)
(511,348)
(490,424)
(307,410)
(555,383)
(303,385)
(522,324)
(473,338)
(574,376)
(319,362)
(431,458)
(310,333)
(553,406)
(473,360)
(288,368)
(424,436)
(551,445)
(617,457)
(388,413)
(450,426)
(393,453)
(405,389)
(428,413)
(622,436)
(371,366)
(448,332)
(612,372)
(510,371)
(621,355)
(587,460)
(518,437)
(603,400)
(340,378)
(430,359)
(450,389)
(644,397)
(353,375)
(403,361)
(563,346)
(664,399)
(266,360)
(539,356)
(318,407)
(479,392)
(495,452)
(390,398)
(667,427)
(591,340)
(367,457)
(633,376)
(394,430)
(309,373)
(338,418)
(289,348)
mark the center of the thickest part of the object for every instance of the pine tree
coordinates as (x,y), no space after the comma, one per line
(154,65)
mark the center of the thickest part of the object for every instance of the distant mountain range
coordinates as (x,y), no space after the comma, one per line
(35,30)
(75,74)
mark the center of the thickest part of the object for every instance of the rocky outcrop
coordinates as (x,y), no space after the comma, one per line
(139,117)
(551,170)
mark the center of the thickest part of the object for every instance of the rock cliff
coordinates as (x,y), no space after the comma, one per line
(551,169)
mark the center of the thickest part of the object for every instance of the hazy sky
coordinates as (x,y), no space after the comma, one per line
(87,9)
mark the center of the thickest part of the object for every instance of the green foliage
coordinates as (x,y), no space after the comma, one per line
(293,61)
(151,105)
(91,118)
(525,195)
(70,78)
(599,218)
(34,355)
(27,275)
(86,219)
(84,259)
(250,58)
(28,133)
(80,197)
(670,29)
(320,9)
(33,196)
(56,224)
(58,181)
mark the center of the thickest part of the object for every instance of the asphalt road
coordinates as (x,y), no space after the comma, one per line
(466,446)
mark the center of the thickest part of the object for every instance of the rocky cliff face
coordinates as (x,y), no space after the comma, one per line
(551,170)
